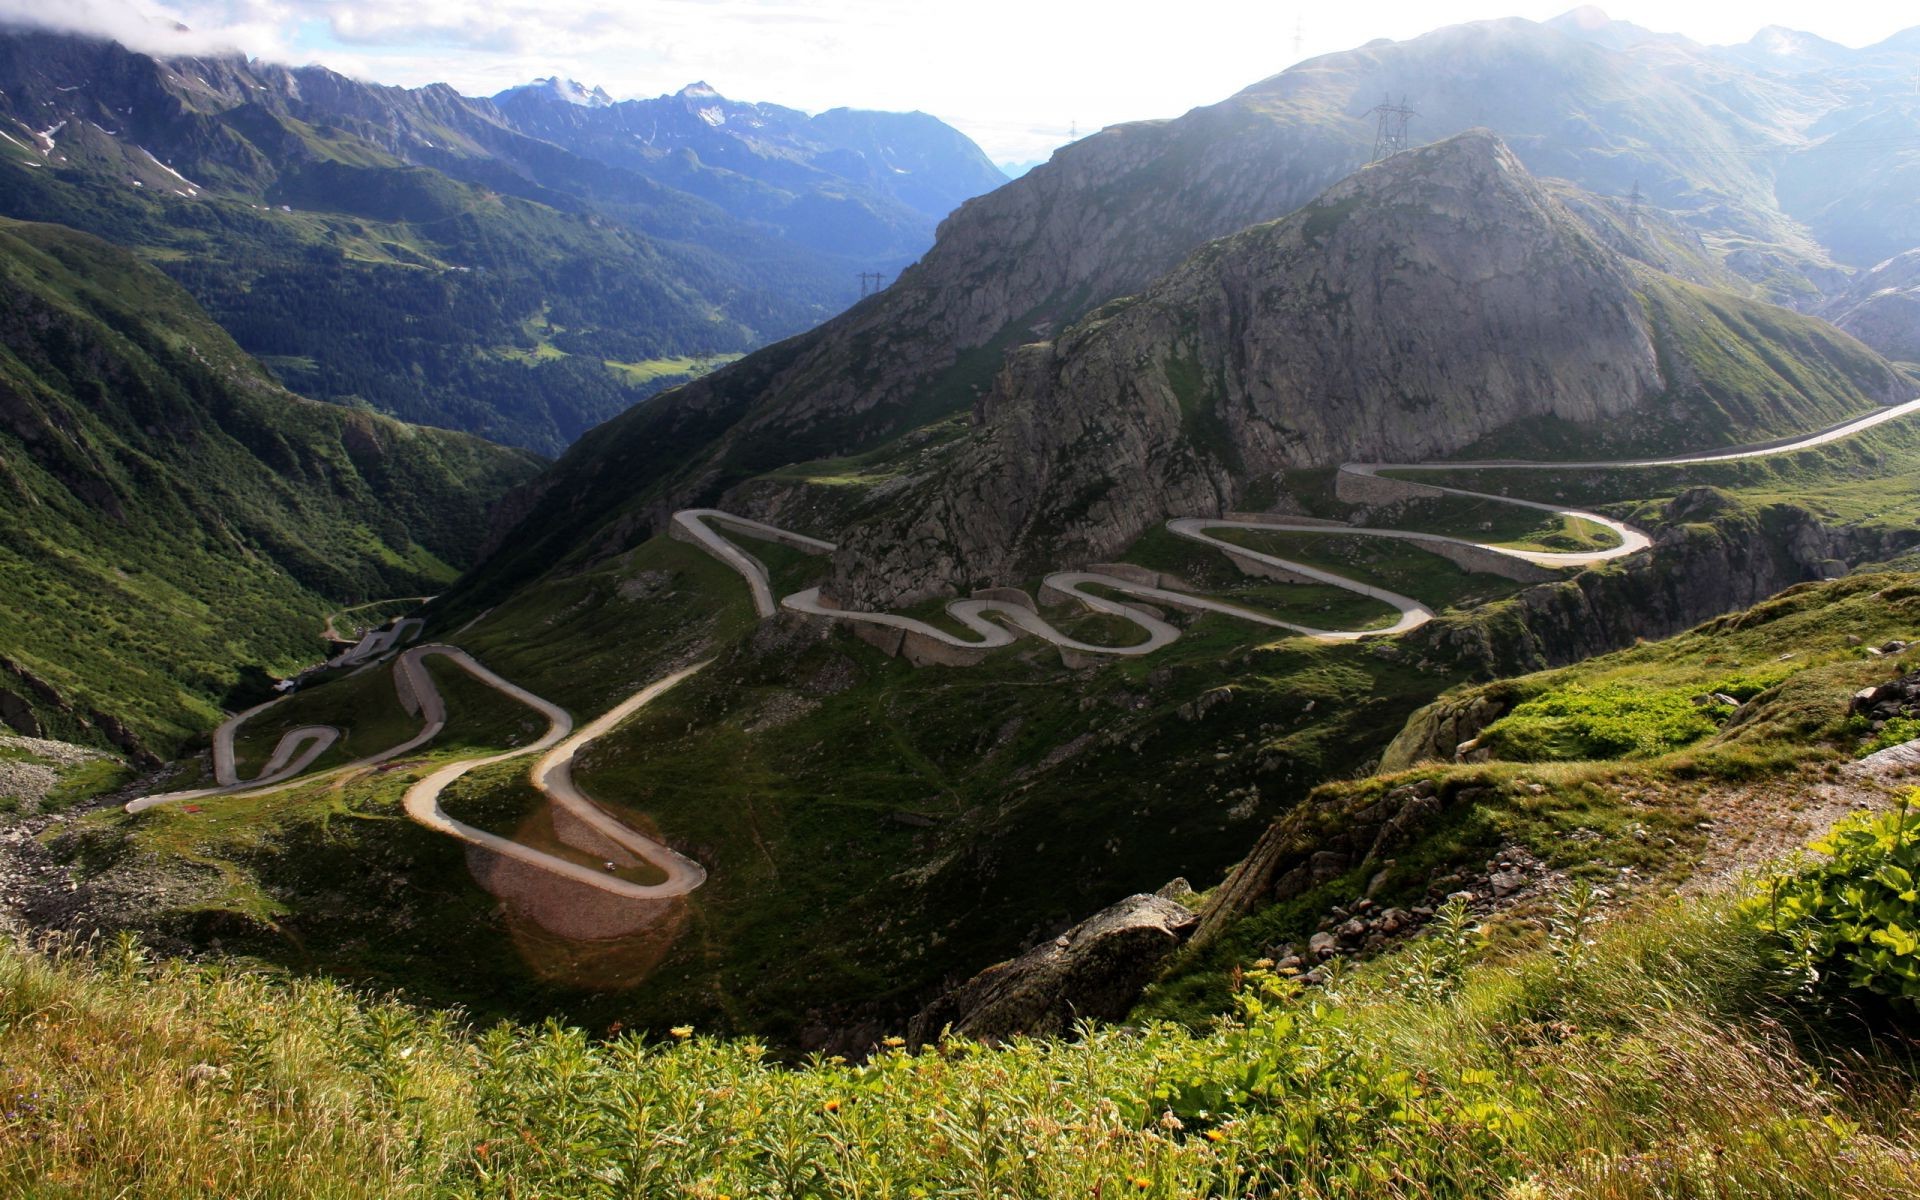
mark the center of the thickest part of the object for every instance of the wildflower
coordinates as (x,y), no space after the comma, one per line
(1142,1183)
(893,1043)
(683,1032)
(833,1106)
(1214,1135)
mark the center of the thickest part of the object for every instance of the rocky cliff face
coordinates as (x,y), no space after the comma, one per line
(1709,557)
(1421,306)
(1882,308)
(1093,972)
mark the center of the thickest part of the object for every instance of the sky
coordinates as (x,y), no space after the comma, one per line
(1018,76)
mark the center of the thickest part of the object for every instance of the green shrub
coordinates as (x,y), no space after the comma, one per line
(1893,733)
(1608,721)
(1856,914)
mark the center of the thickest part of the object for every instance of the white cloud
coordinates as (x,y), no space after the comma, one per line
(1014,74)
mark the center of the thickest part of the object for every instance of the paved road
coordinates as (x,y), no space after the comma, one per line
(697,526)
(552,775)
(332,634)
(378,642)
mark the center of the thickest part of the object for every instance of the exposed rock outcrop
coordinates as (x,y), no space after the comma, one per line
(1882,308)
(1710,557)
(1321,840)
(1094,971)
(1422,305)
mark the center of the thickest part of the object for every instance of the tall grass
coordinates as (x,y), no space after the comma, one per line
(1654,1057)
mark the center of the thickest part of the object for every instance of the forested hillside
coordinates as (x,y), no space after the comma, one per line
(173,523)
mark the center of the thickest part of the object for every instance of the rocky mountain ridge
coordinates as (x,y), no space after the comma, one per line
(1759,167)
(1882,307)
(845,181)
(537,291)
(1429,303)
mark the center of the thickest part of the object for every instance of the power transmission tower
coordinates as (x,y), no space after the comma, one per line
(1633,204)
(1299,35)
(1392,136)
(873,278)
(1073,131)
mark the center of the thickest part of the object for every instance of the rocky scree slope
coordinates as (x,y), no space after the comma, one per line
(172,522)
(1428,304)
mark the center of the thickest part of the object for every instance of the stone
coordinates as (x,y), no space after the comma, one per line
(1325,865)
(1096,970)
(1322,944)
(1379,880)
(1506,883)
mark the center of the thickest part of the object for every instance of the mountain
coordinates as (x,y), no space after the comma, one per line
(174,524)
(410,249)
(555,89)
(1882,307)
(1439,301)
(1713,150)
(1777,48)
(843,182)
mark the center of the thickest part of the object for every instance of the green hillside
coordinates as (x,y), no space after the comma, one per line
(176,525)
(1592,1037)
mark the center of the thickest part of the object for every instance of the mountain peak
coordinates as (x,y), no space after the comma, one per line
(568,91)
(1592,24)
(700,89)
(1586,17)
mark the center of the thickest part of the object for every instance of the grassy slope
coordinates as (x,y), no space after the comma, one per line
(1617,786)
(794,749)
(174,523)
(1658,1057)
(773,762)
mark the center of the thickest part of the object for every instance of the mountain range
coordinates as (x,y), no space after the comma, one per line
(433,256)
(1757,179)
(1601,244)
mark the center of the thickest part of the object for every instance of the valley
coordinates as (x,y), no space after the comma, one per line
(1362,640)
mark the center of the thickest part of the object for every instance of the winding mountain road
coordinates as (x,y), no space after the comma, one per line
(994,618)
(552,775)
(1015,611)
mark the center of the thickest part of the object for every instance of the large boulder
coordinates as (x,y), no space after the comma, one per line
(1094,971)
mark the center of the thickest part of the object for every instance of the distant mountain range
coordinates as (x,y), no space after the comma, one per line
(522,270)
(842,182)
